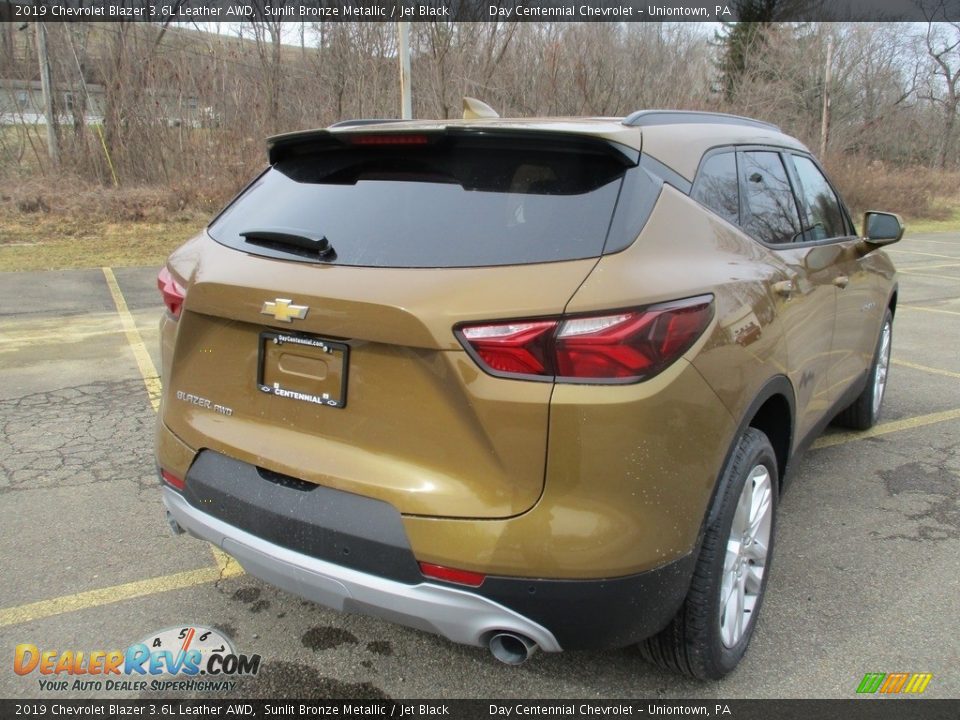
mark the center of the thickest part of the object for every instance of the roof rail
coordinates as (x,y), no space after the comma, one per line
(363,121)
(645,118)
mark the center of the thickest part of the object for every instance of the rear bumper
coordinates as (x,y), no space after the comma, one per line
(458,615)
(352,553)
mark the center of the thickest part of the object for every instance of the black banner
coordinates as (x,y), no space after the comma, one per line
(469,10)
(854,709)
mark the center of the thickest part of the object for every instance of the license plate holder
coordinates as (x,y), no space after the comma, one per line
(304,368)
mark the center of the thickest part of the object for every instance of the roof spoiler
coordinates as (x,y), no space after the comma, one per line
(283,146)
(646,118)
(360,122)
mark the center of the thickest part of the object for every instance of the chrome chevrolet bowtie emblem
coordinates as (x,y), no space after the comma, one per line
(283,310)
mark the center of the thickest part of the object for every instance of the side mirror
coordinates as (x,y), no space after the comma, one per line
(882,228)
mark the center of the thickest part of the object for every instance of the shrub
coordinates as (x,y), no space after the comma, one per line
(914,192)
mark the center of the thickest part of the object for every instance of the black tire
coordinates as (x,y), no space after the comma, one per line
(693,643)
(864,412)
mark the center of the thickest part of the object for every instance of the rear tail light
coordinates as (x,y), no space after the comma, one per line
(461,577)
(173,292)
(172,480)
(514,348)
(625,346)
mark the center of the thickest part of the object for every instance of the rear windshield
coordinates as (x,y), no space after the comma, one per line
(435,205)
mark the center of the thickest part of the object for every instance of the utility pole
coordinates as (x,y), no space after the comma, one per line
(46,86)
(825,118)
(406,101)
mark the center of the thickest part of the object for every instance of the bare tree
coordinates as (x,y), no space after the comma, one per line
(189,109)
(943,46)
(268,36)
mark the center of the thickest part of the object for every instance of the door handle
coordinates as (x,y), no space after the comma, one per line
(841,281)
(783,288)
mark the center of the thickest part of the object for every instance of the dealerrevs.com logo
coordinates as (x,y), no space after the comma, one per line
(188,658)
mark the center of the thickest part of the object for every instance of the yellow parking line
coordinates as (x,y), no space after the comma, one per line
(226,565)
(917,252)
(934,266)
(925,368)
(927,309)
(17,333)
(109,595)
(955,278)
(151,378)
(886,428)
(938,242)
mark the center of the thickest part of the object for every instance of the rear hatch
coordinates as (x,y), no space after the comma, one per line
(316,338)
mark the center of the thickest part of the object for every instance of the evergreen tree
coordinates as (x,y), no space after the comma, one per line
(738,40)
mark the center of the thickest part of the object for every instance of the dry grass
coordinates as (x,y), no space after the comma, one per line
(72,196)
(950,222)
(57,243)
(916,193)
(64,223)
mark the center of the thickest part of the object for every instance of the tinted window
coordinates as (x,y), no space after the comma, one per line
(769,206)
(717,188)
(825,217)
(435,206)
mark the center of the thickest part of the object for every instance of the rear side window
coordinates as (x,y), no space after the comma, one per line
(825,219)
(717,186)
(770,210)
(446,204)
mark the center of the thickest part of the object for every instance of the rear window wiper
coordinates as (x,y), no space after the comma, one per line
(298,242)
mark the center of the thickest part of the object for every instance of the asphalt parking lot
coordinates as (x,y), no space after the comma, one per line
(866,576)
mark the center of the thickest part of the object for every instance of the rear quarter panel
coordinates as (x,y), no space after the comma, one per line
(634,450)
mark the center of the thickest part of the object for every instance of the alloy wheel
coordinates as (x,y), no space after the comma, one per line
(746,556)
(883,364)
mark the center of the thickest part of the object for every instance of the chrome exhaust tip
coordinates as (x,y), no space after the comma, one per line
(511,648)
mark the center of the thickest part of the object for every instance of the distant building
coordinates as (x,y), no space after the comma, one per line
(21,102)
